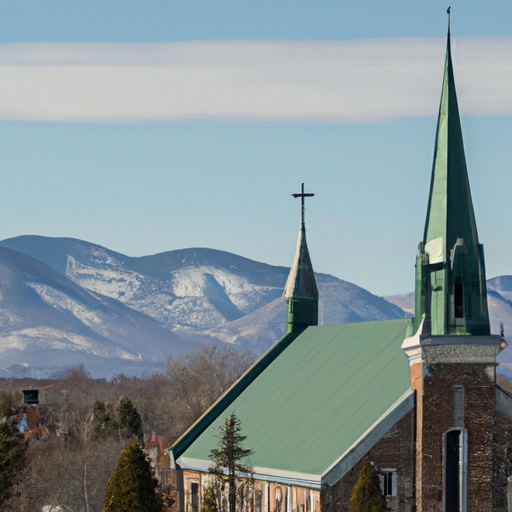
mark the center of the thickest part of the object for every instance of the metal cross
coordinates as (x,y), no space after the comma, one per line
(302,195)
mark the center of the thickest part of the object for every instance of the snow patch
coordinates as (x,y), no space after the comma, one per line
(181,300)
(49,338)
(46,337)
(57,299)
(117,284)
(242,293)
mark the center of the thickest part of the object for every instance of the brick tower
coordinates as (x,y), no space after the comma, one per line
(452,355)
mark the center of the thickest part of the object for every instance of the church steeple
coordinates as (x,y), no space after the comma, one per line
(301,291)
(450,269)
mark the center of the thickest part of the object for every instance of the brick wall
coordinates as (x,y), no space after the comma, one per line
(395,450)
(436,415)
(502,467)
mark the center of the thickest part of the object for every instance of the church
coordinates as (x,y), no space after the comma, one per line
(418,397)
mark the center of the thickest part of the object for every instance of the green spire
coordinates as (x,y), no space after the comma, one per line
(301,291)
(450,280)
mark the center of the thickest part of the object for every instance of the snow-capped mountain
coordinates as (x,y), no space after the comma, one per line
(118,313)
(48,322)
(190,288)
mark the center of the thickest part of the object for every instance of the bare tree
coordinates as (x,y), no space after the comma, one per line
(200,377)
(54,475)
(71,466)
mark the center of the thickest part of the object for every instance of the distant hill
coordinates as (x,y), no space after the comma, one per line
(118,313)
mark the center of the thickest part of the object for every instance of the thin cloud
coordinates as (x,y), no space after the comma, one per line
(325,81)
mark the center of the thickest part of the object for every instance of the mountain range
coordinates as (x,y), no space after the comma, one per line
(65,302)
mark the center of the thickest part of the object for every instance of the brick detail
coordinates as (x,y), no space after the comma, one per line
(435,416)
(394,450)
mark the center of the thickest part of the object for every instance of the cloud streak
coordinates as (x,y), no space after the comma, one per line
(323,81)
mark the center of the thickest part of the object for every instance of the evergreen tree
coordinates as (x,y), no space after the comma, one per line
(132,486)
(105,423)
(209,503)
(12,447)
(228,458)
(367,495)
(129,420)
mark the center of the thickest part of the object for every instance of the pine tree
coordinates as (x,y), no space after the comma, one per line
(105,423)
(132,486)
(367,495)
(228,460)
(129,420)
(12,447)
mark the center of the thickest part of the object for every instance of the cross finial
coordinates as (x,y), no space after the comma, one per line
(448,11)
(302,195)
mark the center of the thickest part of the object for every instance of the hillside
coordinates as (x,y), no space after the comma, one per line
(118,313)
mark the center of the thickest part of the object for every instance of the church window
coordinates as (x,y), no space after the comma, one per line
(194,492)
(278,499)
(388,482)
(454,471)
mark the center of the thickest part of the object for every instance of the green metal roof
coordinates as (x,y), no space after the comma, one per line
(313,401)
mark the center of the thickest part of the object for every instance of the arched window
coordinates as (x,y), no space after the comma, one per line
(455,471)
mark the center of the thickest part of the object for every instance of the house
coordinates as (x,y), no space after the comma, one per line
(419,398)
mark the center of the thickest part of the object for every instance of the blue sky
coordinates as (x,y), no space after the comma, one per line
(152,126)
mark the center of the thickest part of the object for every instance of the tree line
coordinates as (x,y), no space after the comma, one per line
(88,422)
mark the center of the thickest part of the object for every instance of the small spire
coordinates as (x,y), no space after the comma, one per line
(301,290)
(448,11)
(301,283)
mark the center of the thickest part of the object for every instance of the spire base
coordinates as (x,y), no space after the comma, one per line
(301,314)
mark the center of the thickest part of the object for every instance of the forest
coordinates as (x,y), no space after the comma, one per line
(87,422)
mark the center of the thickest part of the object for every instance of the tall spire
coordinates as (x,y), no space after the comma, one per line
(450,282)
(301,291)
